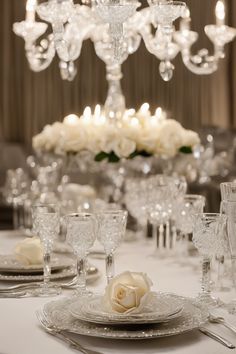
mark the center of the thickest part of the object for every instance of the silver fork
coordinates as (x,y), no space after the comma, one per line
(221,320)
(25,286)
(61,333)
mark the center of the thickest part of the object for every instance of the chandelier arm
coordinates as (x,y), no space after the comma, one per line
(202,63)
(40,56)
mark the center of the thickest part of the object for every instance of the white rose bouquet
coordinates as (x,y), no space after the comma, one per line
(127,293)
(132,135)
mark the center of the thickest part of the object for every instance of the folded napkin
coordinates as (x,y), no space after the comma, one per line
(29,251)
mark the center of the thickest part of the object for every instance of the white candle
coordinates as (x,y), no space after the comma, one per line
(144,108)
(31,6)
(220,13)
(185,21)
(87,114)
(97,111)
(158,113)
(71,119)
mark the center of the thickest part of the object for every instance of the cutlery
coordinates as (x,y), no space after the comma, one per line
(60,333)
(31,285)
(221,320)
(217,337)
(13,295)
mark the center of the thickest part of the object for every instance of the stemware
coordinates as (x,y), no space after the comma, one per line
(135,201)
(111,230)
(228,191)
(46,224)
(208,231)
(229,209)
(184,210)
(81,235)
(159,201)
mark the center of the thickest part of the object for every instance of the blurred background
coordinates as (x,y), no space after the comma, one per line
(30,100)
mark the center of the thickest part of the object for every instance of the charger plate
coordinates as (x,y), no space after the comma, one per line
(192,317)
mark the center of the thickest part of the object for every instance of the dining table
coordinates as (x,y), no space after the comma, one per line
(21,332)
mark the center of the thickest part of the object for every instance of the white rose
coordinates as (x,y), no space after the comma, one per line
(170,138)
(190,138)
(127,293)
(124,147)
(29,251)
(73,139)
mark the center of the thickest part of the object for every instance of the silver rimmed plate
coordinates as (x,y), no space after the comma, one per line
(161,308)
(92,275)
(10,264)
(192,317)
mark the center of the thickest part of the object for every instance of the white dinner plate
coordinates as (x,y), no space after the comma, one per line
(161,308)
(192,317)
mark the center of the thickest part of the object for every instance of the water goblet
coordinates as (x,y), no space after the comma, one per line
(111,230)
(208,230)
(46,224)
(81,235)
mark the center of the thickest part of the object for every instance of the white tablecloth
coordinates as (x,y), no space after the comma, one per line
(20,332)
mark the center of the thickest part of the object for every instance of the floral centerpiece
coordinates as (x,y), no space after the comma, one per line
(136,133)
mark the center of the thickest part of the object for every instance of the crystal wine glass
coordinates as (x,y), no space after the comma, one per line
(229,209)
(111,230)
(208,230)
(184,210)
(81,234)
(46,224)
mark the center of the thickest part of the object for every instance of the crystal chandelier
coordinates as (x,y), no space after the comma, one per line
(116,28)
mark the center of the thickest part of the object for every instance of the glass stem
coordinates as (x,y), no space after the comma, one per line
(233,269)
(109,267)
(220,260)
(161,237)
(168,235)
(155,236)
(174,237)
(81,274)
(46,269)
(206,266)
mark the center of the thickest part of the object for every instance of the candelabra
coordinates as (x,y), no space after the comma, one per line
(116,29)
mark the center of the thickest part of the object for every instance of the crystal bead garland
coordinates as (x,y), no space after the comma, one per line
(115,13)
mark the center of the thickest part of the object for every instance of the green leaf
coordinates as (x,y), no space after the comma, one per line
(113,158)
(186,150)
(101,156)
(142,153)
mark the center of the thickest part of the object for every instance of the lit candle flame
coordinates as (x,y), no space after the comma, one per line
(71,119)
(144,108)
(158,113)
(220,13)
(97,111)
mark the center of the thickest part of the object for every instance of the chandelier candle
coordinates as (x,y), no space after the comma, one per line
(30,10)
(220,13)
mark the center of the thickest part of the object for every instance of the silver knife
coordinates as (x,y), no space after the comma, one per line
(217,337)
